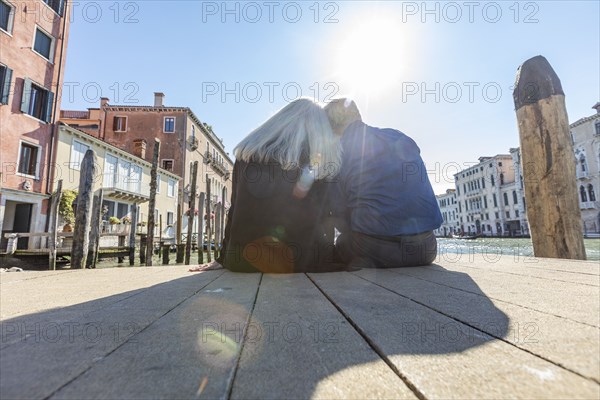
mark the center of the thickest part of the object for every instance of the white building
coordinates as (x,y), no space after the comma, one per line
(490,202)
(586,144)
(449,209)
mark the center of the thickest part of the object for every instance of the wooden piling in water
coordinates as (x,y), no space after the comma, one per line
(548,162)
(95,230)
(152,203)
(83,216)
(208,224)
(53,227)
(192,214)
(200,227)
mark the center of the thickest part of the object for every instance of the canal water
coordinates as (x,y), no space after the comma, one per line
(493,248)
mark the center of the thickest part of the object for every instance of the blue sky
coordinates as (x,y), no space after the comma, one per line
(441,72)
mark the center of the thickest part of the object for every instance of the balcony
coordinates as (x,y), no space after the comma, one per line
(219,168)
(582,174)
(208,158)
(586,205)
(193,141)
(131,192)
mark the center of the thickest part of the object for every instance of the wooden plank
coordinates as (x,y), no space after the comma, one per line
(191,215)
(38,368)
(442,357)
(570,344)
(201,202)
(190,352)
(208,221)
(299,346)
(92,260)
(152,203)
(575,302)
(134,221)
(83,216)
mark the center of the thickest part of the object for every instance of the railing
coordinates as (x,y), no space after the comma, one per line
(208,158)
(584,205)
(133,187)
(193,142)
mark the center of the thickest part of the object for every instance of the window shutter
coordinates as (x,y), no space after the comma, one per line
(49,104)
(26,95)
(6,86)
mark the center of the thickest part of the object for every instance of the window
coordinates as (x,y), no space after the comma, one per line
(505,199)
(508,214)
(78,151)
(495,201)
(28,159)
(167,165)
(36,101)
(591,193)
(493,181)
(120,124)
(597,125)
(110,171)
(56,5)
(158,179)
(582,163)
(171,188)
(485,202)
(169,125)
(517,213)
(43,44)
(7,13)
(583,194)
(135,179)
(501,179)
(5,82)
(170,218)
(483,183)
(500,164)
(497,215)
(515,199)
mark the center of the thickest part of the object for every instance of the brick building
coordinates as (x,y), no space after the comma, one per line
(184,139)
(33,42)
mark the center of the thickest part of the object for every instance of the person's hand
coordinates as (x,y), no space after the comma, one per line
(206,267)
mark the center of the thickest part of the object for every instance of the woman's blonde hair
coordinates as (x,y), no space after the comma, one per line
(284,138)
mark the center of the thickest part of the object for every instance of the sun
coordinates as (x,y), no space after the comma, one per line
(370,57)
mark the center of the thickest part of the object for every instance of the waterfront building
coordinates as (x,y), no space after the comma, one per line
(489,199)
(33,43)
(586,144)
(449,209)
(184,139)
(123,178)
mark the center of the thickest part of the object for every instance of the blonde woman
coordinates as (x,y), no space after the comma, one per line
(279,197)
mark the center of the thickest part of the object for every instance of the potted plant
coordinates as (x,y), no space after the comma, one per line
(114,221)
(65,209)
(126,220)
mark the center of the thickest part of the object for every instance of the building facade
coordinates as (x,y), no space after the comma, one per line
(490,201)
(184,140)
(449,209)
(33,42)
(586,144)
(123,178)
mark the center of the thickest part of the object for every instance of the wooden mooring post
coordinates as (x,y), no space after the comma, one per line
(83,216)
(201,227)
(191,214)
(132,233)
(548,162)
(152,203)
(92,259)
(208,218)
(53,228)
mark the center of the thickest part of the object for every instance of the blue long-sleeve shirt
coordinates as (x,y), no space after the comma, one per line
(383,187)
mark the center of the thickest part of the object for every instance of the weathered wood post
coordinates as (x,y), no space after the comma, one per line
(166,249)
(143,240)
(53,227)
(208,224)
(152,203)
(92,259)
(201,228)
(548,162)
(217,229)
(160,232)
(83,216)
(132,233)
(192,214)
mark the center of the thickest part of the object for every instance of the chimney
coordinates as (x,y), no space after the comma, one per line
(158,99)
(103,101)
(139,148)
(597,107)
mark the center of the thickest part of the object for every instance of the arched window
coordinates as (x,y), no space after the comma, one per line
(506,198)
(493,182)
(582,194)
(515,200)
(501,179)
(591,193)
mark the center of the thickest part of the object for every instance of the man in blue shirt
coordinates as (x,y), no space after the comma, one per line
(383,202)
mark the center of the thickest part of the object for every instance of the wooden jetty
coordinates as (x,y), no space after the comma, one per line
(465,327)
